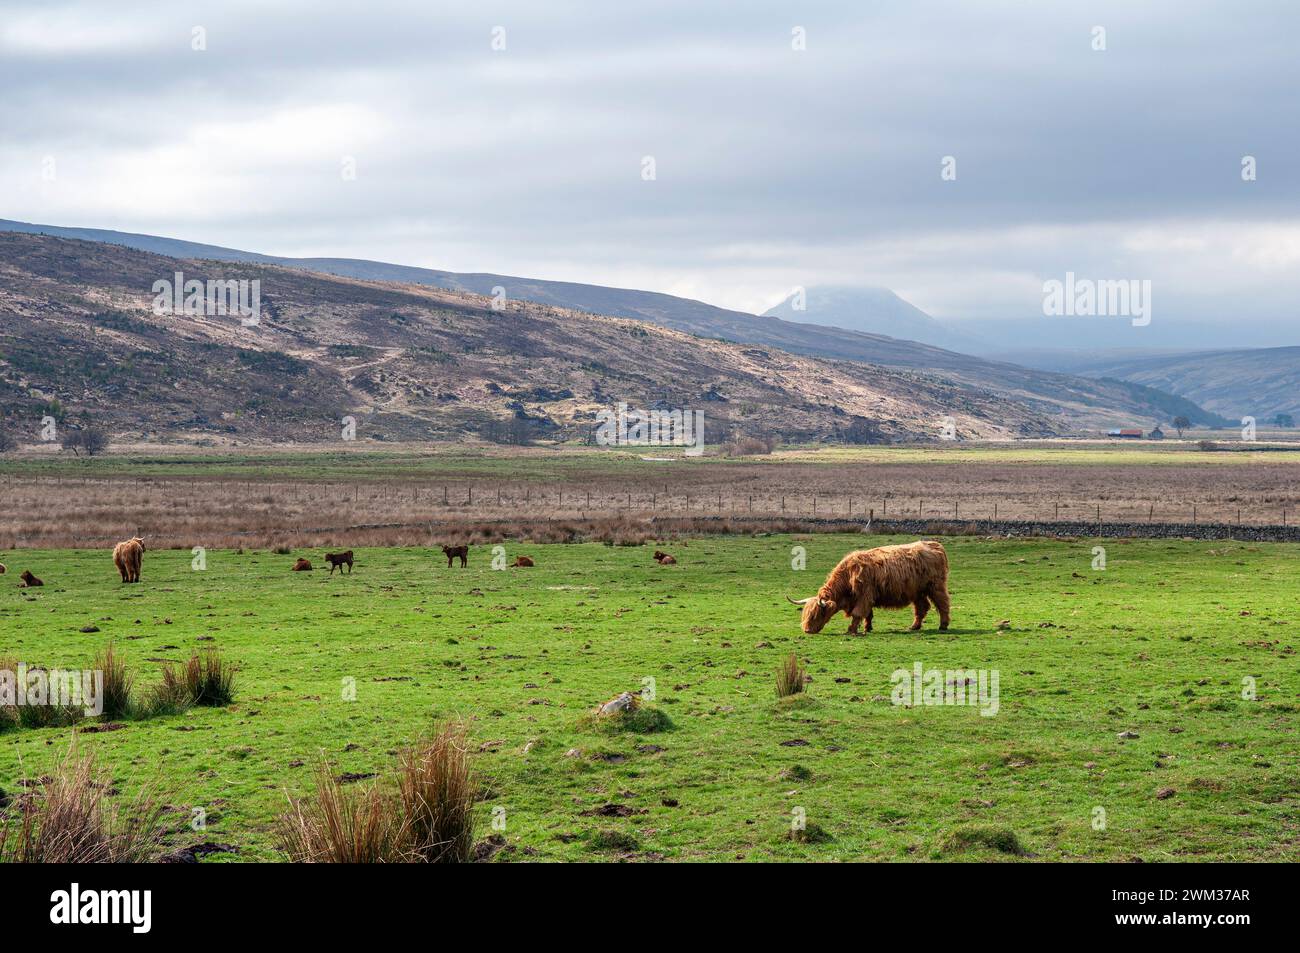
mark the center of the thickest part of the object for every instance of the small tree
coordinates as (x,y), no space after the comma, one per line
(1282,420)
(1181,423)
(90,439)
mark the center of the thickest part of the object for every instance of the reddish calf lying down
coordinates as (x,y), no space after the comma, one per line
(339,560)
(522,562)
(664,559)
(302,565)
(889,577)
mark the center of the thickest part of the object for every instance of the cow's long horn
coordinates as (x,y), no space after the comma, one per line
(798,602)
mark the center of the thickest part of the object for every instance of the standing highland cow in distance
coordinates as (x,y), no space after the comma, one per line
(127,556)
(888,577)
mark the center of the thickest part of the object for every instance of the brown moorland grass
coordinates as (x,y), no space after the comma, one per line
(598,496)
(67,818)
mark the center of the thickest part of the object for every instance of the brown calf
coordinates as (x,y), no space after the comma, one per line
(521,562)
(664,559)
(28,580)
(302,565)
(456,552)
(339,560)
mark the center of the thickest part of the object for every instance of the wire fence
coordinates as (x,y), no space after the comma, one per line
(101,509)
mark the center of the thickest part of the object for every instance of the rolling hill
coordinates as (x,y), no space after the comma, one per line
(79,340)
(1260,382)
(1071,403)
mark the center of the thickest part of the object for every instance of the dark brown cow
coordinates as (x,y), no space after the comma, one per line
(665,559)
(888,577)
(456,552)
(28,580)
(338,561)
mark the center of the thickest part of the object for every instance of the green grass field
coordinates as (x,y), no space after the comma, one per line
(1158,644)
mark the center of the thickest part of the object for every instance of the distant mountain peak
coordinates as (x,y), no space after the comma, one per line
(870,310)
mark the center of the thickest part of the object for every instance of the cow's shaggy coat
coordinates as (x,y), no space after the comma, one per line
(302,565)
(127,556)
(521,562)
(665,559)
(889,577)
(339,560)
(28,580)
(456,552)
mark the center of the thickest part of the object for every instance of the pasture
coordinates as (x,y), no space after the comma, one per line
(1157,644)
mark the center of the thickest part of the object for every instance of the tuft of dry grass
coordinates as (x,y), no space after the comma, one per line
(340,824)
(67,819)
(437,789)
(118,682)
(211,678)
(790,677)
(203,679)
(428,819)
(9,713)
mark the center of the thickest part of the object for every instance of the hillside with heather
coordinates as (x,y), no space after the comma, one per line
(79,340)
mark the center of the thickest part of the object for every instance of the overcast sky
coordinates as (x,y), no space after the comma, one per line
(774,166)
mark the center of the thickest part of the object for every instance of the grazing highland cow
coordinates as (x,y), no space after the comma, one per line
(889,577)
(338,561)
(127,556)
(664,559)
(302,565)
(521,562)
(456,552)
(28,580)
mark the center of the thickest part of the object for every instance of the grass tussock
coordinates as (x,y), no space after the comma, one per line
(790,677)
(437,790)
(986,837)
(428,818)
(204,679)
(118,682)
(67,819)
(342,824)
(9,713)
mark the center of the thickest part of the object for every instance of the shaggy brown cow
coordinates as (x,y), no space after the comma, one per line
(302,565)
(2,569)
(338,561)
(28,580)
(664,559)
(127,556)
(454,552)
(521,562)
(889,577)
